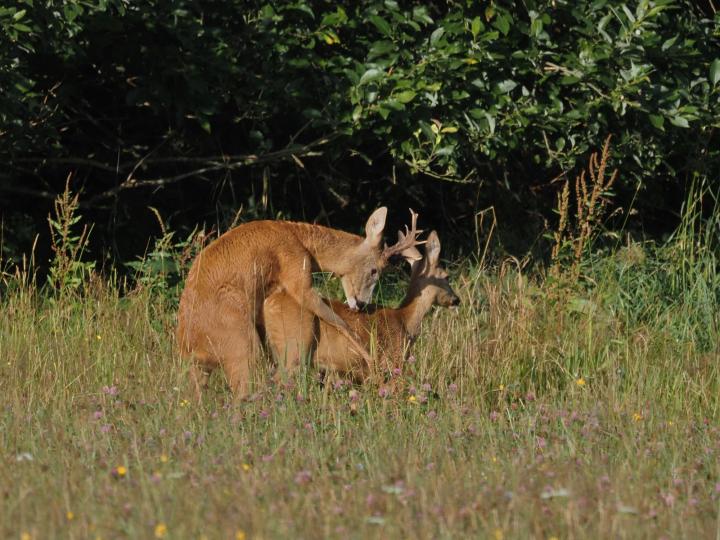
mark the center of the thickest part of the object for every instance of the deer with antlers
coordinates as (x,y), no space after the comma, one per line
(294,333)
(221,306)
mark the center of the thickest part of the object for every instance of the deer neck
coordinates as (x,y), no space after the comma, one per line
(412,311)
(329,247)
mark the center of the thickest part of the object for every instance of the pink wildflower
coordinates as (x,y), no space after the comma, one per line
(110,390)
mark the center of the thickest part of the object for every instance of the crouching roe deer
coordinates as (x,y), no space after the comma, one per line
(220,308)
(293,333)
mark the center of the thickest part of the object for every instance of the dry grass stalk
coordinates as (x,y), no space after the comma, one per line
(591,190)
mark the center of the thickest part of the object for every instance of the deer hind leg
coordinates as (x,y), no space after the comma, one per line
(299,344)
(290,333)
(238,351)
(200,361)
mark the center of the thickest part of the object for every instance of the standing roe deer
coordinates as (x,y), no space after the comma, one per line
(293,332)
(221,306)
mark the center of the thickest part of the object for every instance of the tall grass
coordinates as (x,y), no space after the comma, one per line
(548,406)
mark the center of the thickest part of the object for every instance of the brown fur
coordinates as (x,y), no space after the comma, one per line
(220,309)
(293,332)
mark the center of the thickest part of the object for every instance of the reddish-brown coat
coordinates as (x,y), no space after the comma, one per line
(221,306)
(293,332)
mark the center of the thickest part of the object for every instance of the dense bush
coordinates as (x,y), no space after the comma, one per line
(315,109)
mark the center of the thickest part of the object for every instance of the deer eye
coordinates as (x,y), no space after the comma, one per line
(373,272)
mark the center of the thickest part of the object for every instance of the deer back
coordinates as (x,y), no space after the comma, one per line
(235,273)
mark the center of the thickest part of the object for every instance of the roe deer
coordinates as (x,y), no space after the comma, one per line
(221,306)
(293,332)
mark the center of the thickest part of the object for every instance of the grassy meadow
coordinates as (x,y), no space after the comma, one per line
(576,402)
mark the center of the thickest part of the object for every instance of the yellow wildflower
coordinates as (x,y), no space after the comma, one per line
(121,471)
(98,337)
(498,534)
(240,535)
(246,467)
(580,382)
(25,536)
(412,399)
(69,515)
(637,417)
(184,403)
(160,530)
(502,387)
(164,458)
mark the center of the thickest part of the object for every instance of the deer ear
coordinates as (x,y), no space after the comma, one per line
(375,226)
(432,249)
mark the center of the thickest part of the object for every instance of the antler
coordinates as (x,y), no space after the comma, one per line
(405,241)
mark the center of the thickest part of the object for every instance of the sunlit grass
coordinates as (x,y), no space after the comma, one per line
(541,409)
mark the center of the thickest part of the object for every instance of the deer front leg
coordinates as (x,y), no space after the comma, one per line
(298,285)
(324,312)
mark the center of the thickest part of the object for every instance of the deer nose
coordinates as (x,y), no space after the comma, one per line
(361,304)
(455,301)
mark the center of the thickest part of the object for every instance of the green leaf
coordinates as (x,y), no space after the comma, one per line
(668,43)
(628,13)
(477,114)
(715,71)
(569,79)
(490,123)
(476,27)
(657,121)
(302,7)
(311,112)
(19,15)
(21,27)
(679,121)
(381,24)
(420,14)
(485,119)
(506,86)
(503,24)
(405,96)
(370,75)
(333,19)
(436,35)
(380,48)
(393,104)
(536,27)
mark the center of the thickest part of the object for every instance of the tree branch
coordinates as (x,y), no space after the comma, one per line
(210,164)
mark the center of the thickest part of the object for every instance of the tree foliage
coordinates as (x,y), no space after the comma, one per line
(313,108)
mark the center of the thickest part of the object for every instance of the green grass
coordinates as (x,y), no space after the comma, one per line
(541,409)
